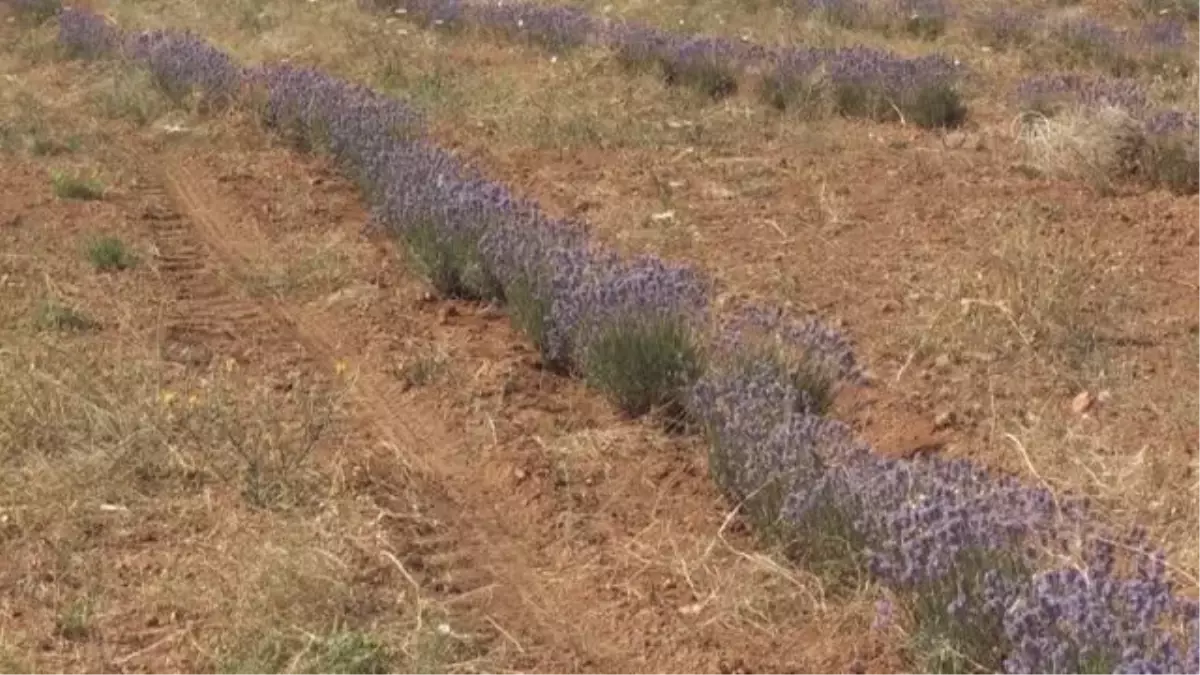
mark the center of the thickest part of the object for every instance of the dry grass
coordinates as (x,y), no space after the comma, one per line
(186,522)
(1091,145)
(293,573)
(156,516)
(1028,296)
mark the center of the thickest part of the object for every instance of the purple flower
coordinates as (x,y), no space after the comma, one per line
(86,35)
(1047,93)
(182,62)
(38,10)
(1163,35)
(873,83)
(1007,27)
(845,13)
(923,18)
(555,27)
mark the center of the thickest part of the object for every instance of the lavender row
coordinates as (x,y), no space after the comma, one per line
(1160,45)
(965,551)
(921,18)
(855,82)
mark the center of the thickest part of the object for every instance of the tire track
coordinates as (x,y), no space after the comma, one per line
(470,557)
(206,318)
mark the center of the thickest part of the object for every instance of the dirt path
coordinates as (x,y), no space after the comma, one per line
(581,542)
(445,558)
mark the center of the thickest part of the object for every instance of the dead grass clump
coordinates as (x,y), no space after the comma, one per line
(1108,146)
(76,186)
(53,314)
(128,92)
(1030,299)
(111,424)
(1097,146)
(115,469)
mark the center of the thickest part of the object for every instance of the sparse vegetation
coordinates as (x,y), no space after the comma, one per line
(644,364)
(52,314)
(110,253)
(76,186)
(128,93)
(346,651)
(74,621)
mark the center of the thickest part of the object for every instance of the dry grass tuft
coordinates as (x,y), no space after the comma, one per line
(1029,298)
(1097,146)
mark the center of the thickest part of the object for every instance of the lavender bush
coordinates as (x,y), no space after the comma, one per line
(85,35)
(958,543)
(532,258)
(441,14)
(878,85)
(1051,94)
(557,28)
(182,63)
(1006,27)
(925,19)
(1186,9)
(638,332)
(795,80)
(760,403)
(952,535)
(873,83)
(843,13)
(1093,619)
(1171,155)
(36,11)
(638,46)
(866,82)
(709,65)
(320,113)
(442,213)
(1086,42)
(1165,46)
(1155,146)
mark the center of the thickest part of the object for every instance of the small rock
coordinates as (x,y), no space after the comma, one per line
(718,192)
(1082,402)
(944,420)
(490,312)
(981,357)
(585,205)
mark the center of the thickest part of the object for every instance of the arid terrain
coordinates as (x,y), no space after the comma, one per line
(240,432)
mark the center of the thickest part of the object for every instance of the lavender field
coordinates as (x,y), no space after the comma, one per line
(962,562)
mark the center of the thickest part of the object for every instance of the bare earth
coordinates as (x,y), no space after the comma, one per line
(268,447)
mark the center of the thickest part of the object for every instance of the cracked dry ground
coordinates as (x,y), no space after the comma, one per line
(471,511)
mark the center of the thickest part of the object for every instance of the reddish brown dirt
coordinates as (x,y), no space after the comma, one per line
(544,559)
(909,211)
(569,539)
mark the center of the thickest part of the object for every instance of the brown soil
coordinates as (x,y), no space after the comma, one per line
(555,535)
